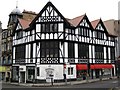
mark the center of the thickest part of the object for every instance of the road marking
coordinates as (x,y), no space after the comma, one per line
(115,82)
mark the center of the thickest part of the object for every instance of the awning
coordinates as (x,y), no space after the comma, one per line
(95,66)
(81,67)
(101,66)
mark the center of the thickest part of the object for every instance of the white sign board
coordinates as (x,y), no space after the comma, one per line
(49,74)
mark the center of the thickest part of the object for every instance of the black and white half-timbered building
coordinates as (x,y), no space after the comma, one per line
(52,46)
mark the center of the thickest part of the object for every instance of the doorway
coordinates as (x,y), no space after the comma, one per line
(22,77)
(97,73)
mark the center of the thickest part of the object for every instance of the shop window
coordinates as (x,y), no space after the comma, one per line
(38,71)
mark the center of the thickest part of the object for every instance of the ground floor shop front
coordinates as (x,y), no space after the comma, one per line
(57,73)
(95,71)
(5,73)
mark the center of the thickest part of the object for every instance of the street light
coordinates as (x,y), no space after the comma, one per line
(88,69)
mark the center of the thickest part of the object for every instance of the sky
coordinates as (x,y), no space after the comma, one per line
(94,9)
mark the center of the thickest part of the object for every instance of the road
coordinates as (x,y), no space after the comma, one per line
(102,85)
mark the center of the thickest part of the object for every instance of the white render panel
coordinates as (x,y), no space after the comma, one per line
(58,71)
(38,60)
(109,53)
(26,51)
(34,50)
(93,47)
(13,61)
(74,71)
(83,39)
(61,60)
(61,50)
(34,60)
(42,36)
(90,50)
(29,51)
(60,27)
(76,31)
(55,36)
(22,68)
(93,34)
(105,54)
(43,14)
(90,33)
(37,37)
(66,50)
(47,36)
(13,52)
(51,36)
(38,27)
(90,53)
(76,50)
(23,34)
(105,37)
(38,50)
(61,36)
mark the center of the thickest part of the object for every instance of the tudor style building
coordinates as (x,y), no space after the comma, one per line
(52,46)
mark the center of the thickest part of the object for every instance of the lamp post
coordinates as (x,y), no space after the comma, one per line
(65,78)
(88,69)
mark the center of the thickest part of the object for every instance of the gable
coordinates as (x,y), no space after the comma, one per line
(84,23)
(100,27)
(18,26)
(49,14)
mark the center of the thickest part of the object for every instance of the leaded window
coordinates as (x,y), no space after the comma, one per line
(83,31)
(112,53)
(83,51)
(99,34)
(107,59)
(19,34)
(49,49)
(49,27)
(71,50)
(99,52)
(20,52)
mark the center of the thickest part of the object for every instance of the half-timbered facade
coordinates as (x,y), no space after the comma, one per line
(52,46)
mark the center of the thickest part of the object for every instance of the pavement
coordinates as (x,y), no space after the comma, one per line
(61,83)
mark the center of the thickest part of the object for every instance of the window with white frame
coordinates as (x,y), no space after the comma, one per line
(70,70)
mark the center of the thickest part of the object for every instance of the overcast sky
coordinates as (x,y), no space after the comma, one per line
(105,9)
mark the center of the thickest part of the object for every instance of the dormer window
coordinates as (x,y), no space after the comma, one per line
(19,35)
(112,39)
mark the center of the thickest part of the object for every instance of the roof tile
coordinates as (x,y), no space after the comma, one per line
(76,21)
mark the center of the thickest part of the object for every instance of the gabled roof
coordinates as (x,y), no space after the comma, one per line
(75,21)
(110,25)
(108,30)
(24,23)
(44,8)
(95,23)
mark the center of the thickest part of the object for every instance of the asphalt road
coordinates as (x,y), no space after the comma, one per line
(100,85)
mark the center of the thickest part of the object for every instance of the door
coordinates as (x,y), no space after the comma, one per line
(22,77)
(97,73)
